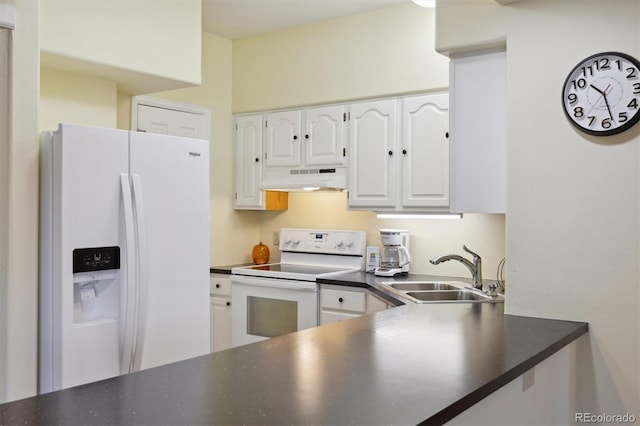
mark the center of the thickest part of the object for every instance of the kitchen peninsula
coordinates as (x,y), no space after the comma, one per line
(411,364)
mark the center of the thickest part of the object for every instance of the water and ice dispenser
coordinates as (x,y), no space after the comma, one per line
(96,284)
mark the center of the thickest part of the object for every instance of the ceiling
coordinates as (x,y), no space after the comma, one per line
(232,19)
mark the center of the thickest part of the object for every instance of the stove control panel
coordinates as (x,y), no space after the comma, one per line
(326,241)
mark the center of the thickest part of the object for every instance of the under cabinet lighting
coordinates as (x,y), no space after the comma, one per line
(313,188)
(425,3)
(452,216)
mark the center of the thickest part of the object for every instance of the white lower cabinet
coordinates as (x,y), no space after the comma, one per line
(338,303)
(220,291)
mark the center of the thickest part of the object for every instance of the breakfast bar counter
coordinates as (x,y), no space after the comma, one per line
(412,364)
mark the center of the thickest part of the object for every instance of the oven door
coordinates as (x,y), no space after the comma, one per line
(262,308)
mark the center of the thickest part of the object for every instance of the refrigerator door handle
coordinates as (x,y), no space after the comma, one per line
(128,303)
(142,258)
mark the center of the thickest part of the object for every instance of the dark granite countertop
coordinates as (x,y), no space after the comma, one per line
(408,365)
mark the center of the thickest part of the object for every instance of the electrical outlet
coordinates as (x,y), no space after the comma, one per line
(528,379)
(276,238)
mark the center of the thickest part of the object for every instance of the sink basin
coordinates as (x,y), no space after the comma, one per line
(417,286)
(447,296)
(439,292)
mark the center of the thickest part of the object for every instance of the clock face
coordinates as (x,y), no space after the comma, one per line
(601,95)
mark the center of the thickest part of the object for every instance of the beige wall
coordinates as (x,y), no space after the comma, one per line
(19,214)
(70,97)
(573,223)
(141,44)
(386,51)
(428,237)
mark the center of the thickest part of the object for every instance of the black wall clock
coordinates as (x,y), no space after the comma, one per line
(601,95)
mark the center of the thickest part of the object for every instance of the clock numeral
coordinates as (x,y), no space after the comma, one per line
(622,117)
(573,98)
(580,83)
(578,112)
(607,123)
(589,68)
(636,88)
(633,104)
(592,119)
(633,73)
(602,64)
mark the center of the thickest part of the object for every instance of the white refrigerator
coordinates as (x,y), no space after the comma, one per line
(124,253)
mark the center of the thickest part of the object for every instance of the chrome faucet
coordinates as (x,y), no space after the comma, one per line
(475,267)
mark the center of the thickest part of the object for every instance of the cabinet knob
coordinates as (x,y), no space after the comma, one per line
(390,152)
(228,303)
(217,285)
(295,137)
(257,160)
(306,136)
(446,135)
(340,299)
(404,152)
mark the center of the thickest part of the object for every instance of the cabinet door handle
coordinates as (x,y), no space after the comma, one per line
(228,303)
(446,135)
(340,299)
(217,285)
(257,160)
(306,136)
(390,153)
(404,152)
(295,137)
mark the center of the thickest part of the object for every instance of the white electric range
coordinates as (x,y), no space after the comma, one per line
(278,298)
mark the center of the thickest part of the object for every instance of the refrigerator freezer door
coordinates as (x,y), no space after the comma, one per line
(171,196)
(81,208)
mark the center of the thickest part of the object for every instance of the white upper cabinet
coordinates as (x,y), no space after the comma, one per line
(425,151)
(282,139)
(400,154)
(248,162)
(324,136)
(305,138)
(478,133)
(372,165)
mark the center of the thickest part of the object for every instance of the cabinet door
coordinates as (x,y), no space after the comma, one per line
(248,162)
(283,139)
(324,136)
(425,151)
(478,133)
(220,323)
(372,160)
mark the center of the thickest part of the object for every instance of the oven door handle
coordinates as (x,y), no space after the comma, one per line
(274,283)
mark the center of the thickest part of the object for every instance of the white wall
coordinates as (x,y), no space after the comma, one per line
(19,206)
(573,225)
(145,45)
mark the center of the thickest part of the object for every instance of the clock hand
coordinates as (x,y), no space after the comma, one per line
(604,95)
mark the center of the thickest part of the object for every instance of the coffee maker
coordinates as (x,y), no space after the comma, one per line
(395,258)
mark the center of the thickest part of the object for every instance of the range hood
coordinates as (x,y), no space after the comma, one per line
(298,179)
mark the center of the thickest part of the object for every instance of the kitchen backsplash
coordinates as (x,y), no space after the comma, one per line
(482,233)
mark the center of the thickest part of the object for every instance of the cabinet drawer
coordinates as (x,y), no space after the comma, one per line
(220,285)
(327,317)
(354,301)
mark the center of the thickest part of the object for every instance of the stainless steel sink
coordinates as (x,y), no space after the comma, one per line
(417,286)
(447,296)
(439,292)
